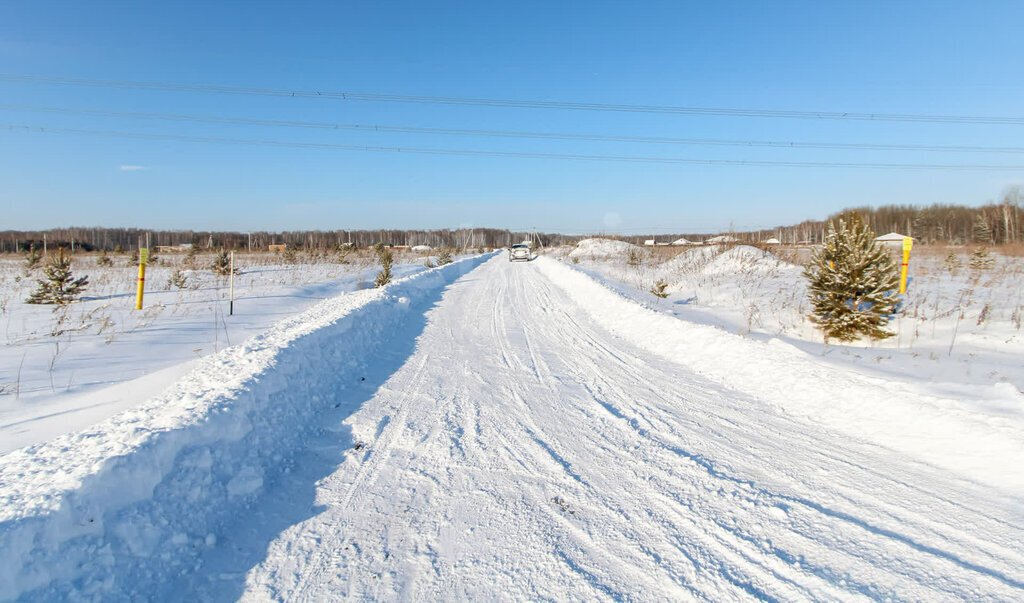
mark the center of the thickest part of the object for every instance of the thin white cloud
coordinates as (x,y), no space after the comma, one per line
(133,168)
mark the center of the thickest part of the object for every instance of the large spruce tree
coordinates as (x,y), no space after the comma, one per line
(852,282)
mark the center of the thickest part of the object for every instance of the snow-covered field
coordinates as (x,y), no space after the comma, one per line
(62,369)
(961,327)
(548,430)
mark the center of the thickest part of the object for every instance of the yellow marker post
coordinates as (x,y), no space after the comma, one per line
(907,244)
(143,259)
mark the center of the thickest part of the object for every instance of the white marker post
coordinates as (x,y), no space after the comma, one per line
(231,287)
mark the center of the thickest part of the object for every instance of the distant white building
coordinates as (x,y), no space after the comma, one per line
(893,239)
(650,243)
(721,239)
(773,241)
(679,242)
(420,248)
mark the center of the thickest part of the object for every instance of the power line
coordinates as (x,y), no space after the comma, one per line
(514,154)
(524,104)
(515,134)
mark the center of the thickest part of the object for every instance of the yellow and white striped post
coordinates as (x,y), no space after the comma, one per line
(143,259)
(907,244)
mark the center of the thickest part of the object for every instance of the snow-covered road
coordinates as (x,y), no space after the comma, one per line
(514,449)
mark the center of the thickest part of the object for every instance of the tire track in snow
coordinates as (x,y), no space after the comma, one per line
(671,487)
(374,459)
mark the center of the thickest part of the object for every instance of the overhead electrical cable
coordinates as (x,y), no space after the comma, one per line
(515,134)
(515,154)
(526,104)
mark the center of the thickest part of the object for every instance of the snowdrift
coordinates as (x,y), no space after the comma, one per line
(744,259)
(603,248)
(717,260)
(986,447)
(105,503)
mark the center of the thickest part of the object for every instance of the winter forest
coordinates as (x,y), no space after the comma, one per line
(989,224)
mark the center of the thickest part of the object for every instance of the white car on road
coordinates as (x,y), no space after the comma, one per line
(519,252)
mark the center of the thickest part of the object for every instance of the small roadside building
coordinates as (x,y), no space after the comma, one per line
(893,239)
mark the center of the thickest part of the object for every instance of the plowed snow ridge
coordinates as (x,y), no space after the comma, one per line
(131,488)
(514,431)
(898,415)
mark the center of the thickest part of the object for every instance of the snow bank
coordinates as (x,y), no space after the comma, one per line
(743,259)
(716,260)
(950,433)
(155,482)
(603,248)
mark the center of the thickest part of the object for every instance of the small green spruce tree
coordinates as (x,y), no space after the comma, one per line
(981,259)
(386,259)
(59,287)
(444,256)
(982,231)
(32,258)
(290,256)
(222,263)
(659,288)
(952,262)
(852,282)
(177,280)
(633,258)
(190,257)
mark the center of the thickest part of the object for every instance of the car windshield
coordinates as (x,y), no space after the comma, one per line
(519,247)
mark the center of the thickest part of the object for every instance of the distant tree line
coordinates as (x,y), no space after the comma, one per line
(990,224)
(129,239)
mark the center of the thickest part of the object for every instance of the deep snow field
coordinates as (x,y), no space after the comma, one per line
(54,362)
(498,430)
(961,327)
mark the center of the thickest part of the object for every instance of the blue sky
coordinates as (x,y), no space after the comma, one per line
(951,58)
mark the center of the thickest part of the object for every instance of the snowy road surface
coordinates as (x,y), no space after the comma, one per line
(520,451)
(479,433)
